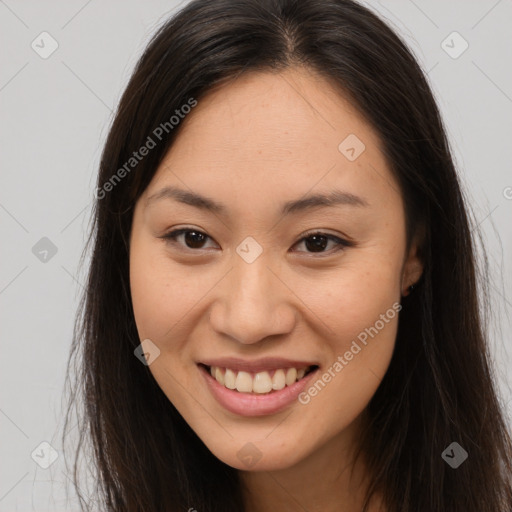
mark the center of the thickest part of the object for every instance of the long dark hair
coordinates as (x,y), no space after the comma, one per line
(439,386)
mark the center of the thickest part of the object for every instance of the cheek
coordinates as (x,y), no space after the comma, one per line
(162,296)
(162,293)
(360,356)
(351,298)
(146,286)
(360,306)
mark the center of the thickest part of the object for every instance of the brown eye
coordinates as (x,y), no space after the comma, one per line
(318,242)
(192,238)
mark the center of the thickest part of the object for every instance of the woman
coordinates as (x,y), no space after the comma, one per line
(282,309)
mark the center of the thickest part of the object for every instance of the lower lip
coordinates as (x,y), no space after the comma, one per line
(245,404)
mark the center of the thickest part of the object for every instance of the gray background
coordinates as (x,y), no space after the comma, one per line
(55,115)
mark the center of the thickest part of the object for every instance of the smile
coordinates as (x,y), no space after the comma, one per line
(247,389)
(261,382)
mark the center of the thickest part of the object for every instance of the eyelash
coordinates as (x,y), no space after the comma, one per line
(341,243)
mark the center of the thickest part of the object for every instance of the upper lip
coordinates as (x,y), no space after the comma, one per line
(257,365)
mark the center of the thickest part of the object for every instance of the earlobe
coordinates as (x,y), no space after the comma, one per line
(413,268)
(409,289)
(411,276)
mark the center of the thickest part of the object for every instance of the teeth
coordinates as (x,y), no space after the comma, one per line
(243,382)
(278,380)
(260,383)
(229,379)
(291,376)
(219,376)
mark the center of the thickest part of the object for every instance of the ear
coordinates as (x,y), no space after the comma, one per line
(413,265)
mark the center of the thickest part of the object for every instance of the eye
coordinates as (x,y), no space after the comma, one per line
(318,241)
(191,238)
(315,242)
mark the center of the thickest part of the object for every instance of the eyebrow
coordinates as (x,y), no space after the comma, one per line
(333,198)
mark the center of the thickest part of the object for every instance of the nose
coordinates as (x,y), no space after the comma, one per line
(252,303)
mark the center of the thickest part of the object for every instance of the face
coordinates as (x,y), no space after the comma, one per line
(269,250)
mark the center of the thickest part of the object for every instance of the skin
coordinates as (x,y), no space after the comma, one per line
(253,144)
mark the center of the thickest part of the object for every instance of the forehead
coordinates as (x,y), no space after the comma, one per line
(295,110)
(269,134)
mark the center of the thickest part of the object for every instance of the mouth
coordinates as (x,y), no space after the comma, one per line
(258,383)
(254,391)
